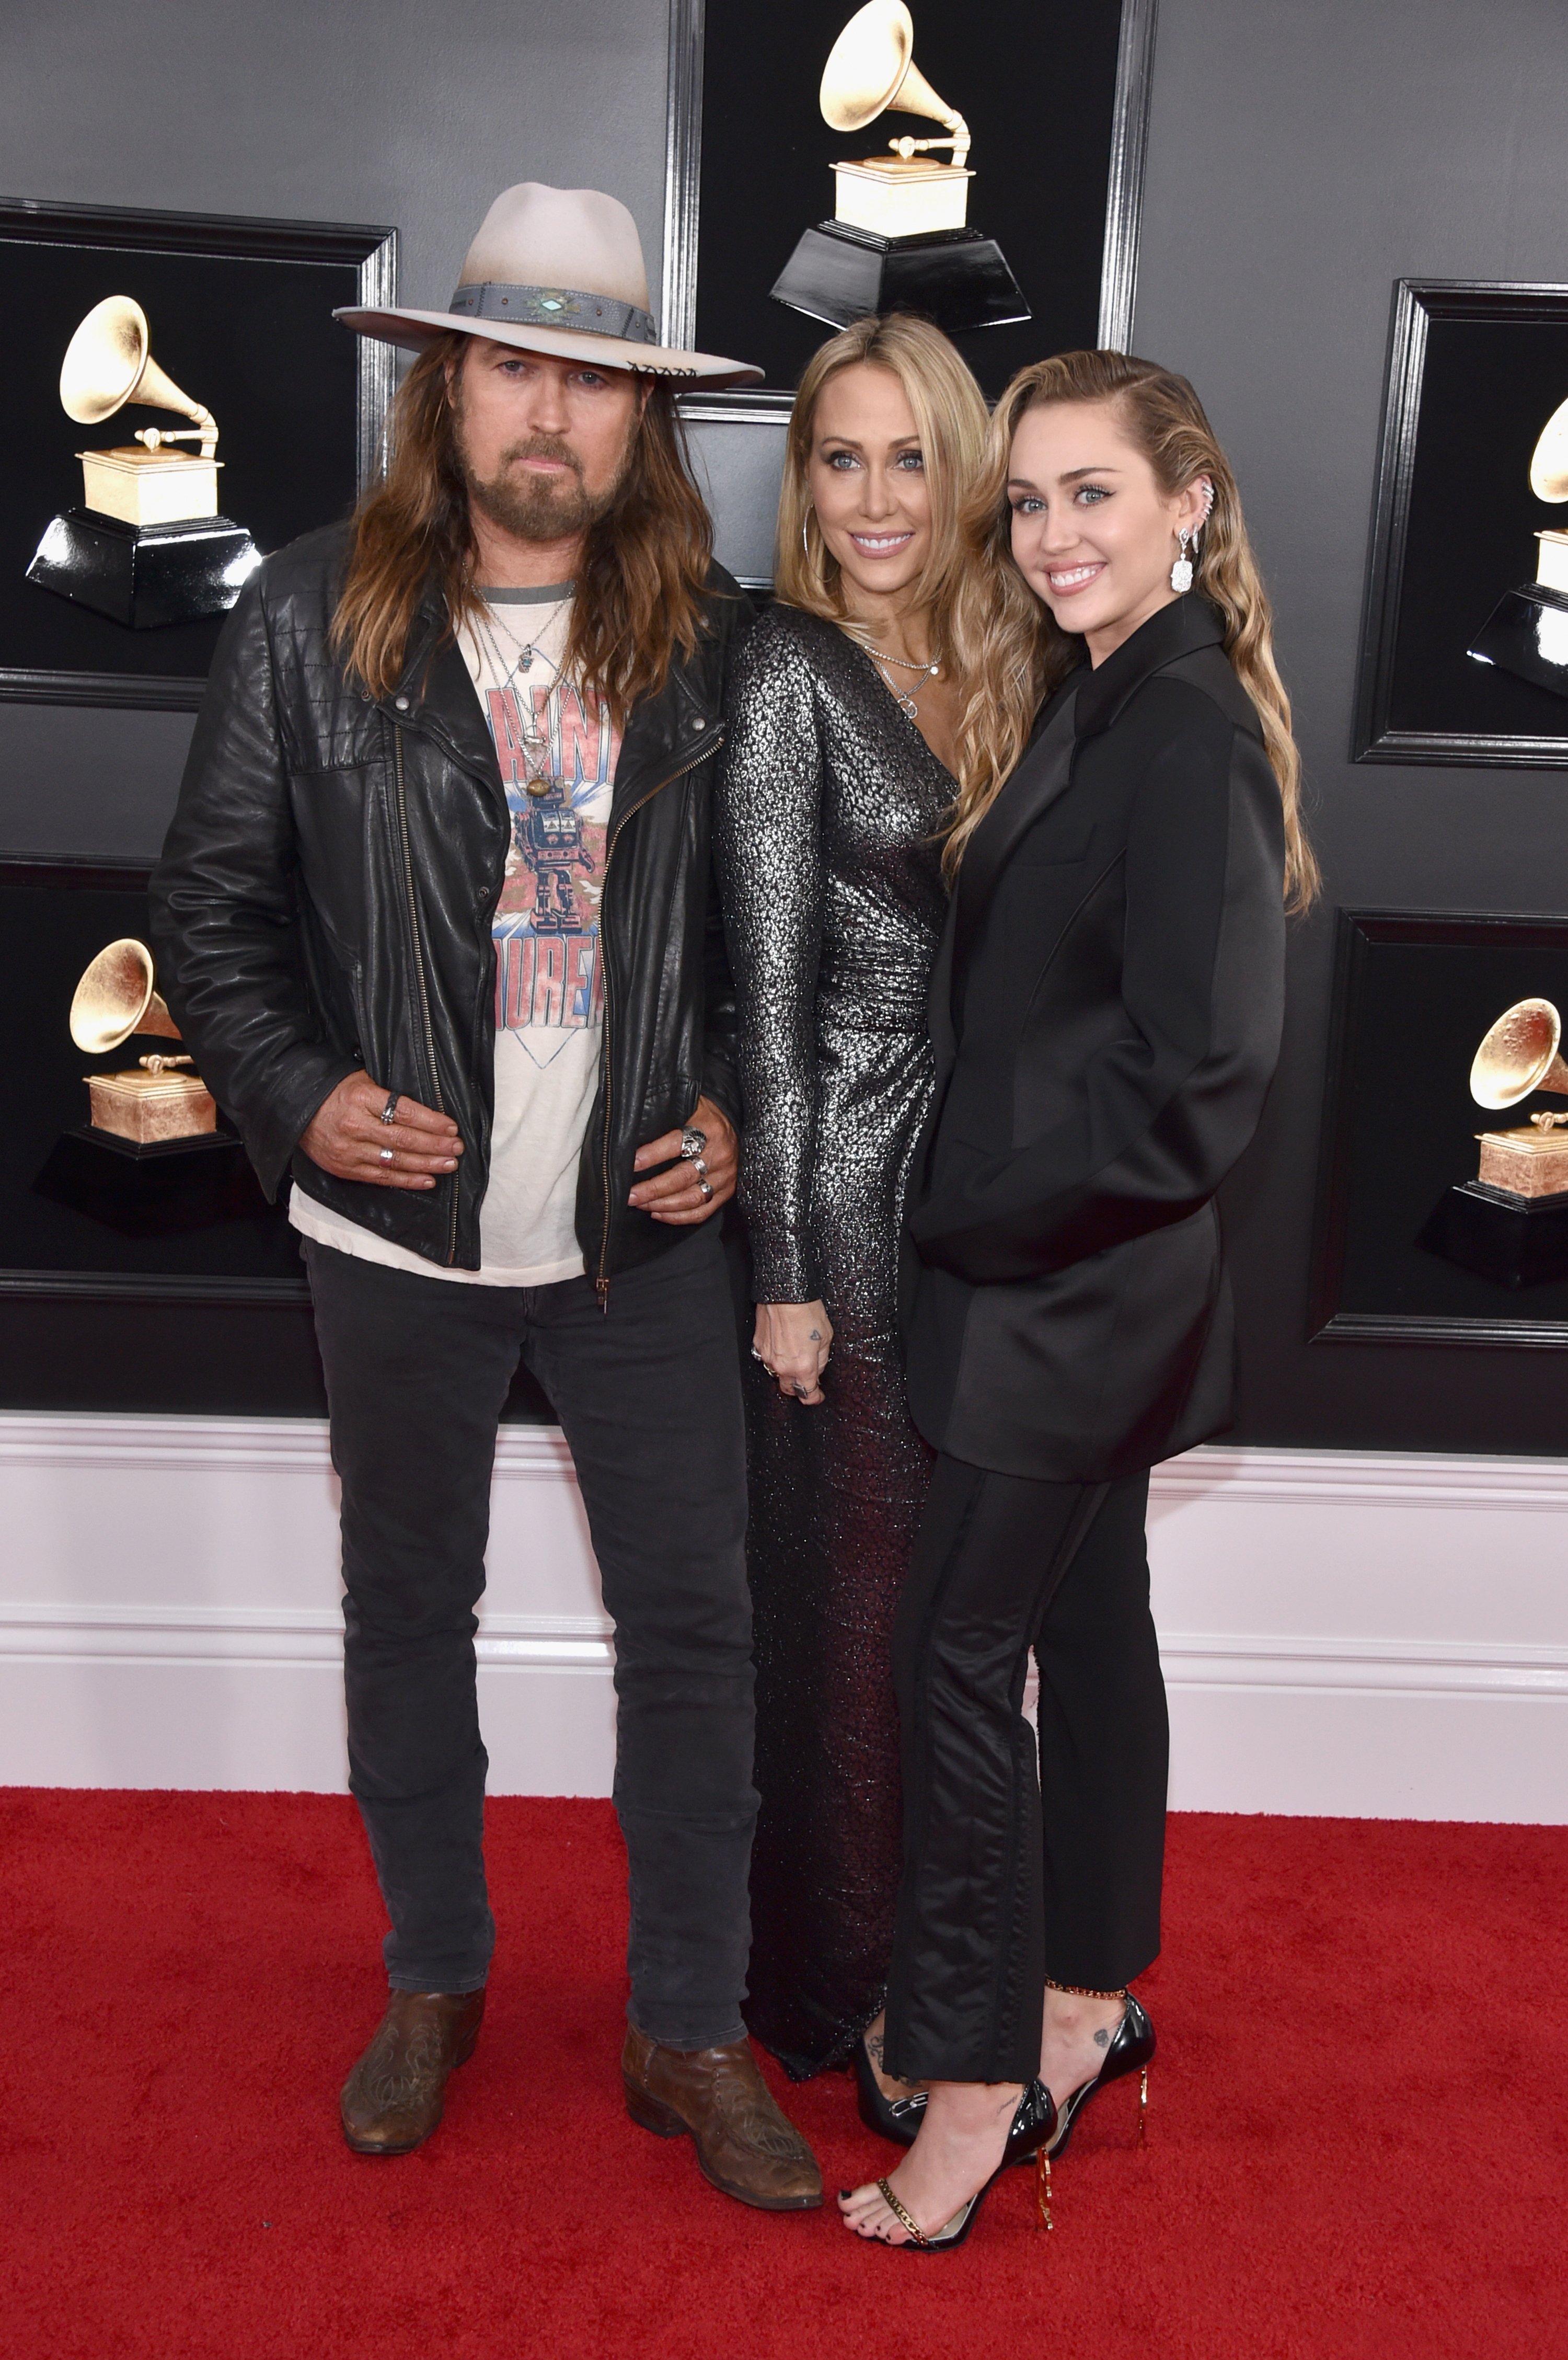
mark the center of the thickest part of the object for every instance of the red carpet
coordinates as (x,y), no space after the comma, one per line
(1356,2144)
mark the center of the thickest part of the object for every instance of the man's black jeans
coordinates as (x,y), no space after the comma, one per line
(647,1393)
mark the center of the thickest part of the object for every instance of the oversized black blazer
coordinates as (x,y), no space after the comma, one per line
(1106,1009)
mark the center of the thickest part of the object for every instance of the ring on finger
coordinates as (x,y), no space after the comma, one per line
(389,1111)
(707,1193)
(693,1142)
(701,1167)
(385,1156)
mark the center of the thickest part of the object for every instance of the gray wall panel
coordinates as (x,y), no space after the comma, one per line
(1302,157)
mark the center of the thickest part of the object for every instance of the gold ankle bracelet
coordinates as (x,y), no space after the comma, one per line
(1084,1991)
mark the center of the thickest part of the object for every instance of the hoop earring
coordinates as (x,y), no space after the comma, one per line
(805,537)
(1182,572)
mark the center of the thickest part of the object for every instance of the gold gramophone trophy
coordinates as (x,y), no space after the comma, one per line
(154,1106)
(1526,631)
(1510,1223)
(898,239)
(147,544)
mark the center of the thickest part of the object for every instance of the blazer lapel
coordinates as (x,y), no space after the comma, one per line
(1041,777)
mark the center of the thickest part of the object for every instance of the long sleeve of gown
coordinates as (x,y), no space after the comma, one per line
(768,844)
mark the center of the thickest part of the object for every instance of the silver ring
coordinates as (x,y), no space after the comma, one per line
(693,1142)
(707,1193)
(386,1155)
(701,1167)
(389,1111)
(756,1355)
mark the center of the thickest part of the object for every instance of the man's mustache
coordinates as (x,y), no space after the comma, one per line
(544,446)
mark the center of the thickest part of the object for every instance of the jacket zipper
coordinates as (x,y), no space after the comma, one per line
(419,971)
(602,1284)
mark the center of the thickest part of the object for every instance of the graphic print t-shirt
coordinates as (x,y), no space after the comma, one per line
(557,751)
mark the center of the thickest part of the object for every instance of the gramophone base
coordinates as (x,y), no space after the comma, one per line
(166,1190)
(1513,1240)
(1527,634)
(143,575)
(957,277)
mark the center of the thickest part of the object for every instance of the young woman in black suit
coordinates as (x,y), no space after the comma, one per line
(1106,1009)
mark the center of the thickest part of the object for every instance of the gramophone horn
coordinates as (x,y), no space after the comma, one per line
(871,68)
(109,361)
(1519,1054)
(115,998)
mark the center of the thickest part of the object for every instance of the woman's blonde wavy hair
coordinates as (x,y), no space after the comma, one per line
(1018,654)
(949,411)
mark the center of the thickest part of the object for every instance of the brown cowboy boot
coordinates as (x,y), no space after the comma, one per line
(744,2144)
(393,2099)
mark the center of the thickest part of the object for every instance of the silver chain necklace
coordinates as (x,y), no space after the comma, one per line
(904,698)
(535,747)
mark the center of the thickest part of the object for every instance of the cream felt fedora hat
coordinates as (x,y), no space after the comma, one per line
(555,271)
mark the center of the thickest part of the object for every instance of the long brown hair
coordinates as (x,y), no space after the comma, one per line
(640,586)
(1021,654)
(949,411)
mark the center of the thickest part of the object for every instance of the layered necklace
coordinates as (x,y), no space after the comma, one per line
(525,655)
(904,697)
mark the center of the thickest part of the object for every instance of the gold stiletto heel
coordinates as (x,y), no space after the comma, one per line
(1131,2051)
(1042,2189)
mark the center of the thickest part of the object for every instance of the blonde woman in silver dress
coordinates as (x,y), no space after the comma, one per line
(842,724)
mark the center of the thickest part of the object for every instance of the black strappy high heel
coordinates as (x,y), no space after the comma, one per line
(1034,2123)
(1131,2051)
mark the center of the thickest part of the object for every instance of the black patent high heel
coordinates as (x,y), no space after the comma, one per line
(1032,2126)
(891,2118)
(1131,2051)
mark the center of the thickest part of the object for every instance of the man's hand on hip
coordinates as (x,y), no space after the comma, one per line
(349,1137)
(695,1186)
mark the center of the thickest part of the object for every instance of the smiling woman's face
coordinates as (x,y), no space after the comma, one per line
(868,482)
(1094,535)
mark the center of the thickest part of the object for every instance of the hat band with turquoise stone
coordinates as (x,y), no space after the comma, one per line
(555,307)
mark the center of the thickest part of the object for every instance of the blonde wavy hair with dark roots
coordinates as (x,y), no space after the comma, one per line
(949,411)
(640,586)
(1019,655)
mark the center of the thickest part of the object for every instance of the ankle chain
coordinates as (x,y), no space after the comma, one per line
(1084,1991)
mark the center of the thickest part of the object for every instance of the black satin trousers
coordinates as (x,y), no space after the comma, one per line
(1022,1863)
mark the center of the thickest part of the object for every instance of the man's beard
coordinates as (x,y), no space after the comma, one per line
(540,507)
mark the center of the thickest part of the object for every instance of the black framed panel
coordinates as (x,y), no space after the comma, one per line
(76,1218)
(239,313)
(1414,992)
(1475,369)
(766,159)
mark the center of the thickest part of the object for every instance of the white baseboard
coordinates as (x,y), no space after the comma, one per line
(1352,1632)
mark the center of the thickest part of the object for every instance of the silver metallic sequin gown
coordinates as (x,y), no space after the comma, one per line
(834,904)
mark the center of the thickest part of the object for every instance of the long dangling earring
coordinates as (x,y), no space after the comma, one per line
(805,537)
(1182,572)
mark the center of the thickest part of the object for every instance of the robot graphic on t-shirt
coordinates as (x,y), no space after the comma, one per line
(550,836)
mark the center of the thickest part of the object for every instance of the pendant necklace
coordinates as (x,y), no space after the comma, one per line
(904,698)
(536,748)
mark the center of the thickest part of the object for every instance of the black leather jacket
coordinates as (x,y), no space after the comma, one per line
(325,895)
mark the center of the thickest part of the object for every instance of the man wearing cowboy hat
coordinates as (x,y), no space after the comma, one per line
(436,915)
